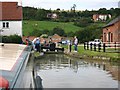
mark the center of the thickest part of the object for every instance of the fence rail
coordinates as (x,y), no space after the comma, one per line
(105,47)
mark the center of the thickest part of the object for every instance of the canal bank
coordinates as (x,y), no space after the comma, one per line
(86,54)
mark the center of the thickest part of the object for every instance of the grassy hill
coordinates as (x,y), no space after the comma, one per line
(29,26)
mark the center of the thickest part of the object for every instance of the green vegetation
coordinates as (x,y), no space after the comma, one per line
(12,39)
(30,26)
(95,53)
(81,51)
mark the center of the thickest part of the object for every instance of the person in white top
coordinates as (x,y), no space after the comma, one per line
(33,43)
(75,44)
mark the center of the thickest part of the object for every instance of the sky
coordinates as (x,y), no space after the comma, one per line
(67,4)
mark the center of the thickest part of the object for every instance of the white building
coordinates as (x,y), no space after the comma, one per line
(10,18)
(101,17)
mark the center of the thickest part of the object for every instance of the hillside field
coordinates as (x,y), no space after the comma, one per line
(29,26)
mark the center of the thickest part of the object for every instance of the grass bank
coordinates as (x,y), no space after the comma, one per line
(95,54)
(29,26)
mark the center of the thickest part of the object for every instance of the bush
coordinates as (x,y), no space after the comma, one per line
(83,22)
(12,39)
(36,32)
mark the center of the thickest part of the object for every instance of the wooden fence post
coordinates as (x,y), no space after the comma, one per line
(87,46)
(99,47)
(115,45)
(103,47)
(91,46)
(84,45)
(94,47)
(70,47)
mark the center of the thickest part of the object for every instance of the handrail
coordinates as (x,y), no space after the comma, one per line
(23,63)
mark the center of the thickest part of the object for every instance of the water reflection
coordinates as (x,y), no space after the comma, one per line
(66,72)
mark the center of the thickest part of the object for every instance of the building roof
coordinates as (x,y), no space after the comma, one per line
(10,11)
(56,36)
(31,38)
(113,22)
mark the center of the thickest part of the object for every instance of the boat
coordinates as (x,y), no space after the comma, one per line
(16,69)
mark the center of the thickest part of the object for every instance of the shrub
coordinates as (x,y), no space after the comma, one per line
(83,22)
(12,39)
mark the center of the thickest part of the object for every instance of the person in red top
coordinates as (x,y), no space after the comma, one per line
(27,40)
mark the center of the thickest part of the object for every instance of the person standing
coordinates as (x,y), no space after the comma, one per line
(27,40)
(75,44)
(33,43)
(37,44)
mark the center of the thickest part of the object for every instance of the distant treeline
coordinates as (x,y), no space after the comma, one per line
(31,13)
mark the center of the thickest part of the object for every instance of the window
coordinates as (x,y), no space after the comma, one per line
(5,24)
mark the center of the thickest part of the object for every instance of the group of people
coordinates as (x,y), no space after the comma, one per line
(36,43)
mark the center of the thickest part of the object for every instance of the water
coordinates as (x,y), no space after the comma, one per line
(60,71)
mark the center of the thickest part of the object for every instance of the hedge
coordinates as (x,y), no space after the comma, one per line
(12,39)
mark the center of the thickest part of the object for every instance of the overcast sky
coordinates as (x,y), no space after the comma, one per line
(67,4)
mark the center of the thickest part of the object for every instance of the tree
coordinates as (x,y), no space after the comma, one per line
(59,31)
(117,11)
(36,32)
(83,22)
(29,13)
(70,34)
(58,9)
(46,32)
(41,14)
(102,11)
